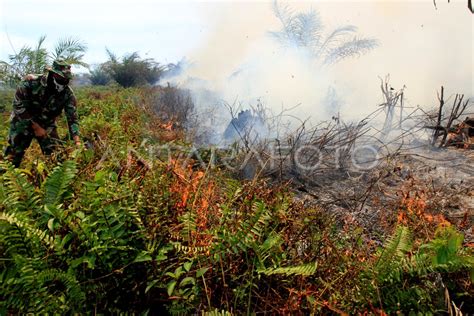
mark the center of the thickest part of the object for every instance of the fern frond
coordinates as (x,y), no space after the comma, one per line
(188,225)
(193,250)
(396,246)
(302,270)
(252,228)
(17,193)
(270,246)
(57,185)
(393,252)
(51,278)
(216,312)
(19,278)
(30,231)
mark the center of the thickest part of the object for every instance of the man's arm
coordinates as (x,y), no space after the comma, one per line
(22,102)
(72,118)
(22,109)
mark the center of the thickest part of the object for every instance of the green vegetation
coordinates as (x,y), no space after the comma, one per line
(113,229)
(130,71)
(33,60)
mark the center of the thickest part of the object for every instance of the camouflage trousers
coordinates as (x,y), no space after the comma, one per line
(19,139)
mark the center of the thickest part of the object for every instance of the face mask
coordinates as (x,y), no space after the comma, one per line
(59,87)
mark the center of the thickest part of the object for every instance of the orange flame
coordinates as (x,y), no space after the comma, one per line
(415,204)
(193,191)
(168,126)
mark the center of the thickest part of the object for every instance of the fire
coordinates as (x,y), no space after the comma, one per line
(402,218)
(195,193)
(415,206)
(168,126)
(437,219)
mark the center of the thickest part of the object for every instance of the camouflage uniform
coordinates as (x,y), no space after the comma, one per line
(36,102)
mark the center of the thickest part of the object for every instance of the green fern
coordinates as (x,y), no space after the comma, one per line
(302,270)
(393,252)
(17,192)
(216,312)
(247,232)
(29,230)
(53,278)
(42,291)
(405,282)
(57,185)
(19,278)
(13,240)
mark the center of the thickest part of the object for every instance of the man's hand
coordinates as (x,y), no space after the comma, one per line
(38,130)
(77,141)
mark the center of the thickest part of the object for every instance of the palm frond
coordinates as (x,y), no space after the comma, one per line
(70,49)
(308,29)
(284,14)
(355,47)
(113,58)
(335,37)
(40,56)
(286,17)
(305,31)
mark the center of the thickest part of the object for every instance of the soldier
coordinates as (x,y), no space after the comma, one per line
(39,100)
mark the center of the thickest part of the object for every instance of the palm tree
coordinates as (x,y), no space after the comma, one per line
(33,60)
(132,70)
(305,30)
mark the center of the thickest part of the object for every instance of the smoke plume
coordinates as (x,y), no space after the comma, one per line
(239,62)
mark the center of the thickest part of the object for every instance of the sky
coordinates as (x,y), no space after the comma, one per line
(421,47)
(165,31)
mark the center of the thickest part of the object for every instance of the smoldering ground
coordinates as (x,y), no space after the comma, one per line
(240,63)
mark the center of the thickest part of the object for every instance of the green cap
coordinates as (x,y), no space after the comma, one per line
(62,68)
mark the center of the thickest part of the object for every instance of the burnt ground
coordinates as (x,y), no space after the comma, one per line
(422,187)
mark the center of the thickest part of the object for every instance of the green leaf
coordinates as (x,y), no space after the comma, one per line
(66,239)
(442,255)
(143,256)
(161,257)
(200,272)
(187,266)
(51,224)
(170,287)
(150,285)
(80,215)
(186,281)
(171,274)
(178,272)
(48,211)
(88,260)
(454,242)
(99,177)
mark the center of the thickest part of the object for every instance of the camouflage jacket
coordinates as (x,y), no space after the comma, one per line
(33,103)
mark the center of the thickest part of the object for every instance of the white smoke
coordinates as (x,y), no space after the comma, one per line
(240,63)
